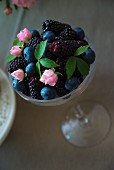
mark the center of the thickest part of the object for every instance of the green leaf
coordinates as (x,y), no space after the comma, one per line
(48,63)
(40,49)
(70,66)
(38,68)
(81,50)
(10,58)
(83,67)
(17,42)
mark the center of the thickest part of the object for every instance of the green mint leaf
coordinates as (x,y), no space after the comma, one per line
(70,66)
(81,50)
(83,67)
(17,42)
(48,63)
(38,68)
(10,58)
(40,49)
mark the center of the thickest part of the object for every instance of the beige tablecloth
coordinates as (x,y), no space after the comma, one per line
(35,141)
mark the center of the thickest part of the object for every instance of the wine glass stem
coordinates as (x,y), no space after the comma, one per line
(79,114)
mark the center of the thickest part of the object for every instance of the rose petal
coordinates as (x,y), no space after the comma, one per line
(49,77)
(18,74)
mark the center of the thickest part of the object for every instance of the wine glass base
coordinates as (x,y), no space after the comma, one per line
(92,130)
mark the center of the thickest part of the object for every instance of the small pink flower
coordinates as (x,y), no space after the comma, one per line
(24,3)
(24,35)
(8,11)
(18,74)
(15,50)
(49,77)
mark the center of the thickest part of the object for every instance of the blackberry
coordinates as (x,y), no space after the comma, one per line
(17,63)
(61,62)
(60,87)
(35,87)
(26,91)
(54,26)
(33,92)
(63,47)
(67,34)
(33,42)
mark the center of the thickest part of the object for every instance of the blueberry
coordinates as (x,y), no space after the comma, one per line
(18,85)
(89,56)
(48,35)
(35,33)
(72,83)
(48,93)
(30,69)
(79,33)
(29,54)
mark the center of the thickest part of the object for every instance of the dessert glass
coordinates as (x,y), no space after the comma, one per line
(86,123)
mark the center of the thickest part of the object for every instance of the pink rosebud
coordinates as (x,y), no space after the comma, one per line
(8,11)
(18,74)
(15,50)
(24,3)
(24,35)
(49,77)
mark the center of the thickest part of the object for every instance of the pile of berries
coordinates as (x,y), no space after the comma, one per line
(46,76)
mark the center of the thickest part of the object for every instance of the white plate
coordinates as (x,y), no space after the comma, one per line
(7,106)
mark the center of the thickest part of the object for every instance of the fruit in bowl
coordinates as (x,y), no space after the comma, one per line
(49,63)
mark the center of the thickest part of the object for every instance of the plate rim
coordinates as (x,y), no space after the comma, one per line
(10,120)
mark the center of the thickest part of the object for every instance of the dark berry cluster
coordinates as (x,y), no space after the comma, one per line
(41,81)
(18,63)
(33,42)
(67,34)
(63,48)
(35,87)
(54,26)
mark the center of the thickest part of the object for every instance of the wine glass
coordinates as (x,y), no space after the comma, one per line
(86,123)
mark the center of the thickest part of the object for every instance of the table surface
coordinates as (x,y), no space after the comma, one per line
(35,141)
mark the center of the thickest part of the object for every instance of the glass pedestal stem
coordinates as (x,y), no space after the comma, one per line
(79,114)
(86,124)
